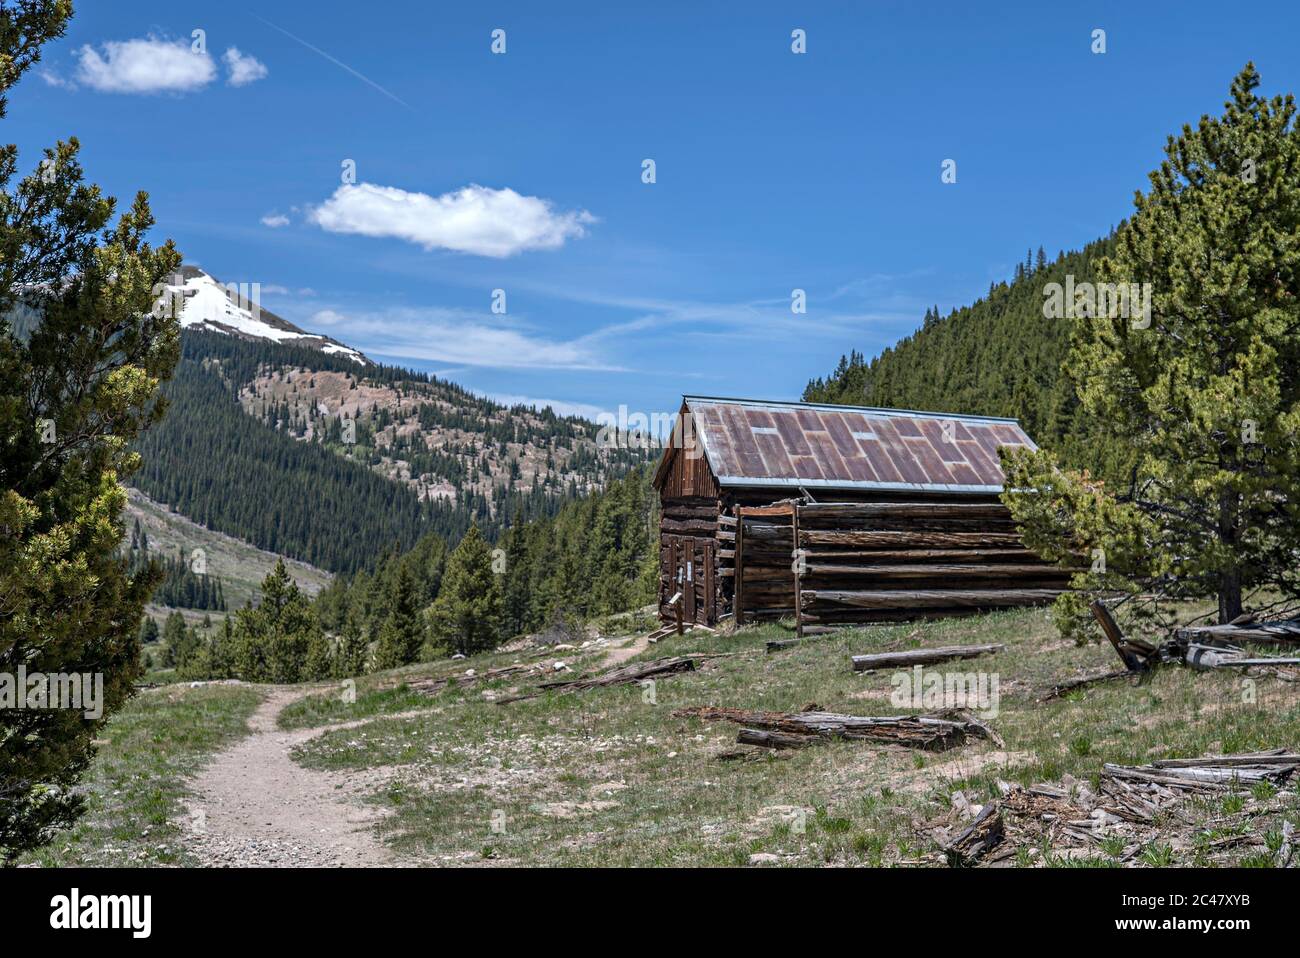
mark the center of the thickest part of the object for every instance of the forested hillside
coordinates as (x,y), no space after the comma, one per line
(596,557)
(997,357)
(593,558)
(225,470)
(253,445)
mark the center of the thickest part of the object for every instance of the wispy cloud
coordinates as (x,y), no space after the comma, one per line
(459,337)
(475,219)
(562,407)
(338,63)
(275,220)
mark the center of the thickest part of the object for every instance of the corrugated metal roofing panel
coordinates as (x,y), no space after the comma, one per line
(754,443)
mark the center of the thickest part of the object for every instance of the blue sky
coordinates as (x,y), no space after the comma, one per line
(522,171)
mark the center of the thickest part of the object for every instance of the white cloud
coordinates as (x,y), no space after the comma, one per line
(148,65)
(275,220)
(461,337)
(242,67)
(475,219)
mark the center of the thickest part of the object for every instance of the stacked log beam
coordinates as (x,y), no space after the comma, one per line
(886,561)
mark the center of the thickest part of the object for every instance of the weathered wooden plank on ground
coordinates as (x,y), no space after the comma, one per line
(636,672)
(913,731)
(910,657)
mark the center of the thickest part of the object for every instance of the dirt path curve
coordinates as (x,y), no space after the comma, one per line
(254,806)
(617,656)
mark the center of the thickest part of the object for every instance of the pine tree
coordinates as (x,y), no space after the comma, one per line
(319,662)
(149,633)
(272,639)
(467,616)
(402,631)
(74,392)
(353,655)
(517,581)
(1204,388)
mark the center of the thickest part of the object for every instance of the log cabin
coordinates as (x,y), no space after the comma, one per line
(832,515)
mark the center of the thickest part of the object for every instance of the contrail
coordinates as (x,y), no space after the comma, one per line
(339,63)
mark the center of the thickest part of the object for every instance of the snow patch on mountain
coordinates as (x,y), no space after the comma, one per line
(235,309)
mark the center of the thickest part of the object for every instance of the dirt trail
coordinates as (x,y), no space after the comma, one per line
(254,806)
(617,656)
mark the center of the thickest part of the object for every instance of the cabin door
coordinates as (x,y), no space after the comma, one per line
(686,576)
(694,576)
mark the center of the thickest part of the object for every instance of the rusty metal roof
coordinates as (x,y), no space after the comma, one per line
(752,443)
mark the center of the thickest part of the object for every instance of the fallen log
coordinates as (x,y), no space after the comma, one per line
(1281,632)
(913,731)
(1138,655)
(766,739)
(1212,773)
(1277,756)
(1229,657)
(636,672)
(910,657)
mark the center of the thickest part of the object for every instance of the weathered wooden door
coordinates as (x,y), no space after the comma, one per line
(686,577)
(694,574)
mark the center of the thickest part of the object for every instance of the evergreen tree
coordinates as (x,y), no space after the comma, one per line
(149,633)
(271,640)
(402,632)
(74,390)
(353,656)
(1205,388)
(467,615)
(319,663)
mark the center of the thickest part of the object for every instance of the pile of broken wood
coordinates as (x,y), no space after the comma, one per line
(1201,647)
(811,725)
(1072,821)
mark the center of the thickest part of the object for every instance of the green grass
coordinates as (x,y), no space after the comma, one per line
(136,783)
(610,777)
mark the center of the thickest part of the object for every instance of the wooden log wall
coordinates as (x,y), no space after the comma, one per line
(766,578)
(886,561)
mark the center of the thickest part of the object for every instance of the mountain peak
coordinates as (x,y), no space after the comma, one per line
(235,309)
